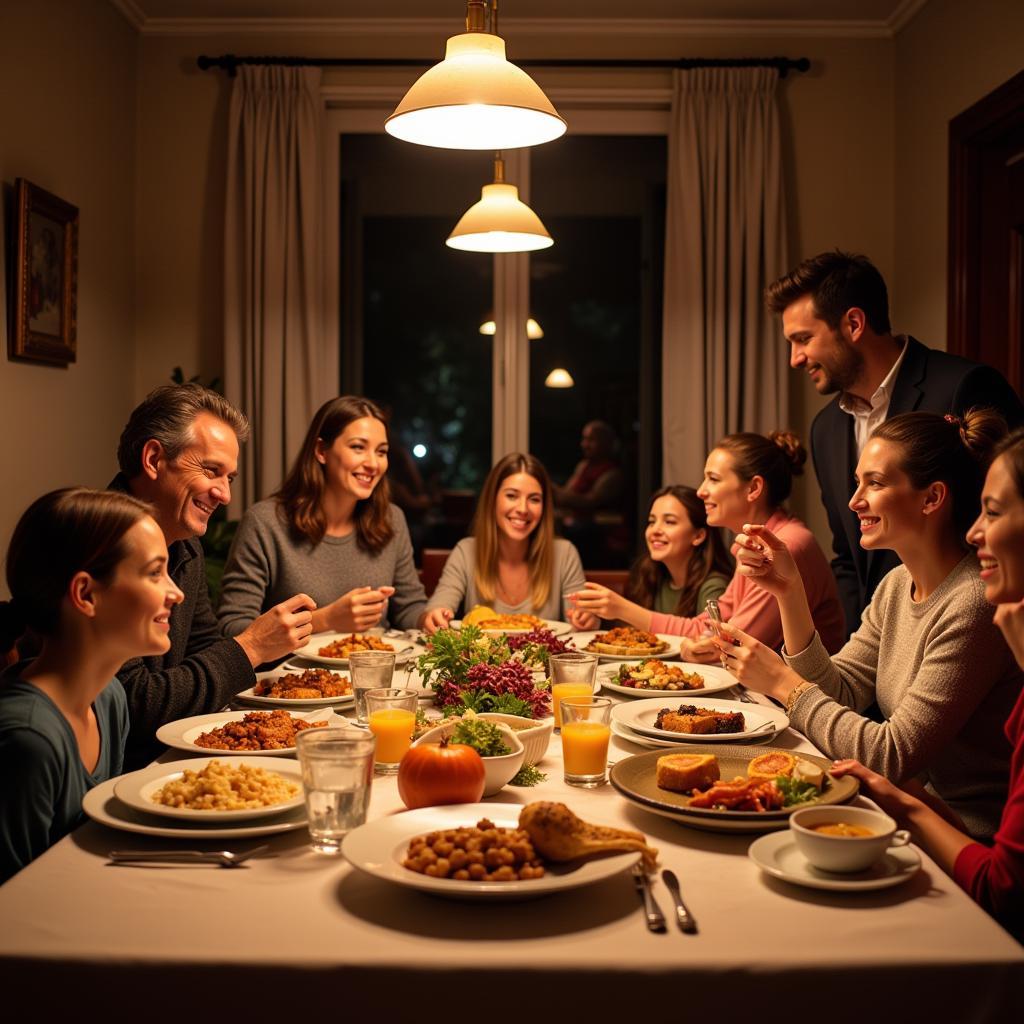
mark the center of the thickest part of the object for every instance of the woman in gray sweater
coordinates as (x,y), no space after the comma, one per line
(927,650)
(329,532)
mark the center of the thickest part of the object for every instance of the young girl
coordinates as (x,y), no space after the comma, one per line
(685,565)
(87,572)
(329,532)
(993,875)
(746,474)
(512,563)
(927,651)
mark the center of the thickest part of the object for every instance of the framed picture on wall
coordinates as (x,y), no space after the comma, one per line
(45,277)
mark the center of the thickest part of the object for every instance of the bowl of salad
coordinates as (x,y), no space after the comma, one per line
(502,751)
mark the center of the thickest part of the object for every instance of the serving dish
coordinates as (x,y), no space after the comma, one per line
(378,848)
(760,722)
(553,626)
(716,680)
(580,640)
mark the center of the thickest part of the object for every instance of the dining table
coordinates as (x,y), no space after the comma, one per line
(293,933)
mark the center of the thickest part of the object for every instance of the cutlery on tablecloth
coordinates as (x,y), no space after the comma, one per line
(652,912)
(687,922)
(222,858)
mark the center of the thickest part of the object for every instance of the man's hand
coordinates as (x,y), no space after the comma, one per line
(279,631)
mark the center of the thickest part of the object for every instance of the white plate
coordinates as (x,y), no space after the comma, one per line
(182,735)
(551,625)
(716,678)
(137,788)
(288,668)
(639,715)
(582,639)
(404,650)
(103,806)
(777,855)
(379,847)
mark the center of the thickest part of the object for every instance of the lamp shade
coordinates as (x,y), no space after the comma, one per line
(559,378)
(534,331)
(475,99)
(499,222)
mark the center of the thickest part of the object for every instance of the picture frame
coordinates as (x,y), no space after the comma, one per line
(44,324)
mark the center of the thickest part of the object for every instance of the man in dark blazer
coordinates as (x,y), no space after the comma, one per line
(179,452)
(835,316)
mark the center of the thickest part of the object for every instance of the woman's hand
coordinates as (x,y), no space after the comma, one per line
(598,601)
(702,651)
(765,559)
(1010,620)
(756,666)
(357,611)
(582,620)
(435,619)
(894,801)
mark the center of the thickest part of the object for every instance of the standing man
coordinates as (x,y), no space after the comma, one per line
(835,316)
(179,453)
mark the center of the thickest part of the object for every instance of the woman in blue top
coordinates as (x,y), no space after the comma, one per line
(87,572)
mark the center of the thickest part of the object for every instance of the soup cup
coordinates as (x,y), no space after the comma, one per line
(844,854)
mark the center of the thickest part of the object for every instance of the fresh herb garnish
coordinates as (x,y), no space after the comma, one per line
(484,737)
(528,775)
(795,791)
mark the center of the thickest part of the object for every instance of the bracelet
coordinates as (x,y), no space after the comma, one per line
(796,693)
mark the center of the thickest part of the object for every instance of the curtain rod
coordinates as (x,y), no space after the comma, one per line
(229,62)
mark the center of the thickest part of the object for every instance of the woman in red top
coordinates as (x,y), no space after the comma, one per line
(993,875)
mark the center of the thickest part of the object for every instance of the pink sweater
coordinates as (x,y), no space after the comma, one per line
(746,606)
(994,875)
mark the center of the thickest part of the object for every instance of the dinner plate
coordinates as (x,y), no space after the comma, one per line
(759,721)
(289,668)
(672,651)
(102,806)
(379,847)
(137,788)
(778,856)
(636,779)
(551,625)
(182,734)
(716,679)
(403,649)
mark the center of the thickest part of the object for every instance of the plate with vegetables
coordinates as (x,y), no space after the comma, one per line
(652,677)
(742,788)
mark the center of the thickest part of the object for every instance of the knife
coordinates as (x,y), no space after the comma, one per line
(655,918)
(687,922)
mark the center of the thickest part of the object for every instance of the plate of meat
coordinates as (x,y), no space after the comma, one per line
(333,649)
(293,686)
(699,720)
(243,732)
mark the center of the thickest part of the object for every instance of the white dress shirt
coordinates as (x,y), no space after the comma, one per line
(868,415)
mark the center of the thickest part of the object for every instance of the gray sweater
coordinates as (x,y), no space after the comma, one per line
(268,564)
(457,590)
(944,680)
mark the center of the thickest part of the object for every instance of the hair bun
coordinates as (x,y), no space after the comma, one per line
(980,431)
(792,447)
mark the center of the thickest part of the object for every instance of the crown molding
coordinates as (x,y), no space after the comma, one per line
(441,28)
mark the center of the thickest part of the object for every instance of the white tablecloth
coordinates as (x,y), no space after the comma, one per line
(297,932)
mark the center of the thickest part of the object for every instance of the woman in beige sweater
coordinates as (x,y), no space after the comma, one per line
(927,650)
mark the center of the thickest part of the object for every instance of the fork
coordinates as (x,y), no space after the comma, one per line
(222,858)
(652,912)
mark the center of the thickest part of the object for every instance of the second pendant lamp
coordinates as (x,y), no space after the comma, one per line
(500,221)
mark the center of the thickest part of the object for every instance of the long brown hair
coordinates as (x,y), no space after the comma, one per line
(540,555)
(300,497)
(60,534)
(647,576)
(776,458)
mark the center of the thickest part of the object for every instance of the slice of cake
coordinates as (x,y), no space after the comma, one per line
(684,773)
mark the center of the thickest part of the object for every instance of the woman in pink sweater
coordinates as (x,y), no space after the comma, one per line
(745,476)
(992,875)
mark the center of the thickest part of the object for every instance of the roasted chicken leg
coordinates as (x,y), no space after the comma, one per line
(558,834)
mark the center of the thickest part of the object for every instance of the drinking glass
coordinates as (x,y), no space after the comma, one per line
(337,770)
(585,735)
(391,715)
(370,670)
(572,675)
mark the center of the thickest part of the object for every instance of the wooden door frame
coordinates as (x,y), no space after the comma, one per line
(969,132)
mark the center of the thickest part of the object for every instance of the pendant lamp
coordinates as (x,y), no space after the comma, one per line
(475,98)
(500,221)
(534,331)
(559,378)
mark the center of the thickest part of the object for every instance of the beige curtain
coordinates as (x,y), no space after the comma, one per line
(724,361)
(278,367)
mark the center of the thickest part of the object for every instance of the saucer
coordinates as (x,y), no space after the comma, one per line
(776,854)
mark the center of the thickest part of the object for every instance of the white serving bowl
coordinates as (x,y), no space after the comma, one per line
(497,770)
(535,739)
(844,853)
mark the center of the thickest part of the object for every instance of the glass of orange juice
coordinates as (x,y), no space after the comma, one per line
(572,675)
(391,715)
(585,735)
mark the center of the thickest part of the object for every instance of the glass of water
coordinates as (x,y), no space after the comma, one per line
(370,670)
(337,770)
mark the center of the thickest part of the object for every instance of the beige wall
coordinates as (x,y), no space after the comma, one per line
(949,57)
(67,123)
